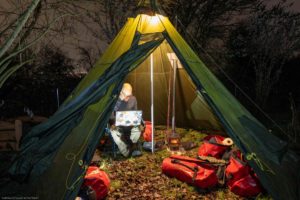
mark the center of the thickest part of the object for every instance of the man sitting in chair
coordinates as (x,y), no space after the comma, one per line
(126,137)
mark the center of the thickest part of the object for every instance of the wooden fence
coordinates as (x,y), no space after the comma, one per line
(10,135)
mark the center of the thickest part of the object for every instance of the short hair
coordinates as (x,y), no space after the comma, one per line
(127,89)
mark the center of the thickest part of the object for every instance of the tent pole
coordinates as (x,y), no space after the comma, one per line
(152,103)
(169,104)
(174,87)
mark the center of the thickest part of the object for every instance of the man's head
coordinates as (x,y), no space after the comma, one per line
(126,92)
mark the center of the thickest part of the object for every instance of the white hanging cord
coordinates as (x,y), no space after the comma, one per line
(233,82)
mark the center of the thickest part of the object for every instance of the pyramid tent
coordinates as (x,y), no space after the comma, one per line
(54,155)
(191,109)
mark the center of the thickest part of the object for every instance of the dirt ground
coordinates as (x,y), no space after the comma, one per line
(142,178)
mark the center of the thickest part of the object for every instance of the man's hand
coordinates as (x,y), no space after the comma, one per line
(142,128)
(113,127)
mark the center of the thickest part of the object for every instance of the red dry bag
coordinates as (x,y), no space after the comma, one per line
(190,170)
(237,167)
(98,180)
(148,131)
(212,146)
(240,179)
(247,186)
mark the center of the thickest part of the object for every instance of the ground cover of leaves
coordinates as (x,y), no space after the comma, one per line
(142,178)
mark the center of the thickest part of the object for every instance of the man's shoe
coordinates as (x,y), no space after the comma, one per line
(136,153)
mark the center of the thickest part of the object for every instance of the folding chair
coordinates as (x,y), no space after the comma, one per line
(114,145)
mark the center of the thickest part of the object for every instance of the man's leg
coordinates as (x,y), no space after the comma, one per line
(135,134)
(134,137)
(119,142)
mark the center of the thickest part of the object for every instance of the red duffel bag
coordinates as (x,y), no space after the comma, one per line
(247,186)
(148,131)
(237,167)
(212,146)
(240,178)
(98,180)
(190,170)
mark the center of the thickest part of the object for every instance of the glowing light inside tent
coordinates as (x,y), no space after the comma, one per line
(154,20)
(150,24)
(174,142)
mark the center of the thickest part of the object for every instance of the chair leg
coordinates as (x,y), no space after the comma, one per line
(112,141)
(113,145)
(114,148)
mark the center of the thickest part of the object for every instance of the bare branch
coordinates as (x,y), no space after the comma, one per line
(21,22)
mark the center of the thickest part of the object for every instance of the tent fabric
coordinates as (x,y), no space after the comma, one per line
(57,152)
(191,109)
(271,156)
(78,125)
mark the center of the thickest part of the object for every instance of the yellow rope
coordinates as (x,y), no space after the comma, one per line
(72,157)
(263,167)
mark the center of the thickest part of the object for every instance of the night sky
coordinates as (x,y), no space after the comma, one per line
(83,38)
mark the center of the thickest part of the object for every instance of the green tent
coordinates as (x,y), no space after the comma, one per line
(55,154)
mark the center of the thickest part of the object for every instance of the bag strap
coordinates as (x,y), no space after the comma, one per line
(219,163)
(214,141)
(221,174)
(194,169)
(212,160)
(188,159)
(234,156)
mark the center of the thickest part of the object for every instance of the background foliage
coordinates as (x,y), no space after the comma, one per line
(251,45)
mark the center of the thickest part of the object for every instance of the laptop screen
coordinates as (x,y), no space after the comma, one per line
(128,118)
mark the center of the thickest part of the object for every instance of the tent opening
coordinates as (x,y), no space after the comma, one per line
(191,110)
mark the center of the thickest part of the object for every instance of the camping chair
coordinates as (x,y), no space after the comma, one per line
(114,145)
(115,148)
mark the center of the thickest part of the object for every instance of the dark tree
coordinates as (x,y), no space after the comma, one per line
(35,85)
(206,20)
(264,43)
(23,26)
(10,33)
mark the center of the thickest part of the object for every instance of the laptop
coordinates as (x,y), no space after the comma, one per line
(128,118)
